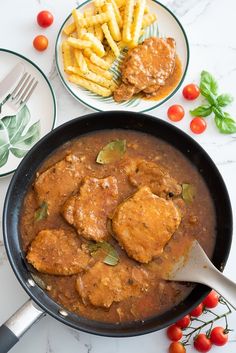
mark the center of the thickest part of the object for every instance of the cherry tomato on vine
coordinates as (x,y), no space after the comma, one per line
(202,343)
(191,91)
(45,18)
(175,112)
(174,333)
(40,43)
(177,347)
(197,311)
(198,125)
(211,300)
(219,336)
(184,322)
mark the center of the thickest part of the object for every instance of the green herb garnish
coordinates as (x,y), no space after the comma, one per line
(188,192)
(209,89)
(111,256)
(112,152)
(41,212)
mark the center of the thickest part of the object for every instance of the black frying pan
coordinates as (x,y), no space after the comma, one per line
(40,303)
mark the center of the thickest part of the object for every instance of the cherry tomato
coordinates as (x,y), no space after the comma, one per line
(45,19)
(40,43)
(219,336)
(202,343)
(184,322)
(191,91)
(198,125)
(174,333)
(175,112)
(211,300)
(197,311)
(177,347)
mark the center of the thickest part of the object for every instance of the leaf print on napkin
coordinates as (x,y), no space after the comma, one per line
(15,137)
(4,146)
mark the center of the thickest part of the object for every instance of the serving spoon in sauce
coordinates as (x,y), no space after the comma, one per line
(196,267)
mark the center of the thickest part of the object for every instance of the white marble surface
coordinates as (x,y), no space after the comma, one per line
(211,28)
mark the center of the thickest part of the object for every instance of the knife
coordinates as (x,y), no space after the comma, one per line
(10,81)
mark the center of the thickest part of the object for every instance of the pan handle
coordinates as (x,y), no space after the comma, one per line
(18,324)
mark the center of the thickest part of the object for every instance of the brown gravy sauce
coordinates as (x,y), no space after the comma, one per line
(170,84)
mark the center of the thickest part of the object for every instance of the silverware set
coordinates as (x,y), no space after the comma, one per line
(16,89)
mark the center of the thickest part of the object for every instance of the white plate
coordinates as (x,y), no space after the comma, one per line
(167,25)
(34,121)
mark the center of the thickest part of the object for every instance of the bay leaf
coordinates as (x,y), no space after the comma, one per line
(188,192)
(112,152)
(41,212)
(111,256)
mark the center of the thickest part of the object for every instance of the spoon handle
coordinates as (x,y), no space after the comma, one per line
(223,285)
(198,268)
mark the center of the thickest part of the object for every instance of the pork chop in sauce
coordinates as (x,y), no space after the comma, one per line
(57,252)
(55,184)
(102,285)
(89,209)
(141,172)
(146,68)
(144,223)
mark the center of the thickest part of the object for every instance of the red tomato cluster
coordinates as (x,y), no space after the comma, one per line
(202,342)
(44,19)
(176,112)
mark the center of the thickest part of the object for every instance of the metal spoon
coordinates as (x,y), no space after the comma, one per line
(197,267)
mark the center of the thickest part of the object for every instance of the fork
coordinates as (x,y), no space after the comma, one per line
(19,97)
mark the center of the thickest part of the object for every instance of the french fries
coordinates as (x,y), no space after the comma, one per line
(77,17)
(79,43)
(120,3)
(148,19)
(110,40)
(98,70)
(98,32)
(138,19)
(91,76)
(80,61)
(117,13)
(69,29)
(97,46)
(113,25)
(95,20)
(88,13)
(96,37)
(128,17)
(66,55)
(91,86)
(100,62)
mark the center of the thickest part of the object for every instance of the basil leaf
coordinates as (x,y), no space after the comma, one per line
(41,212)
(224,99)
(225,125)
(202,110)
(208,84)
(188,192)
(111,256)
(112,152)
(218,112)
